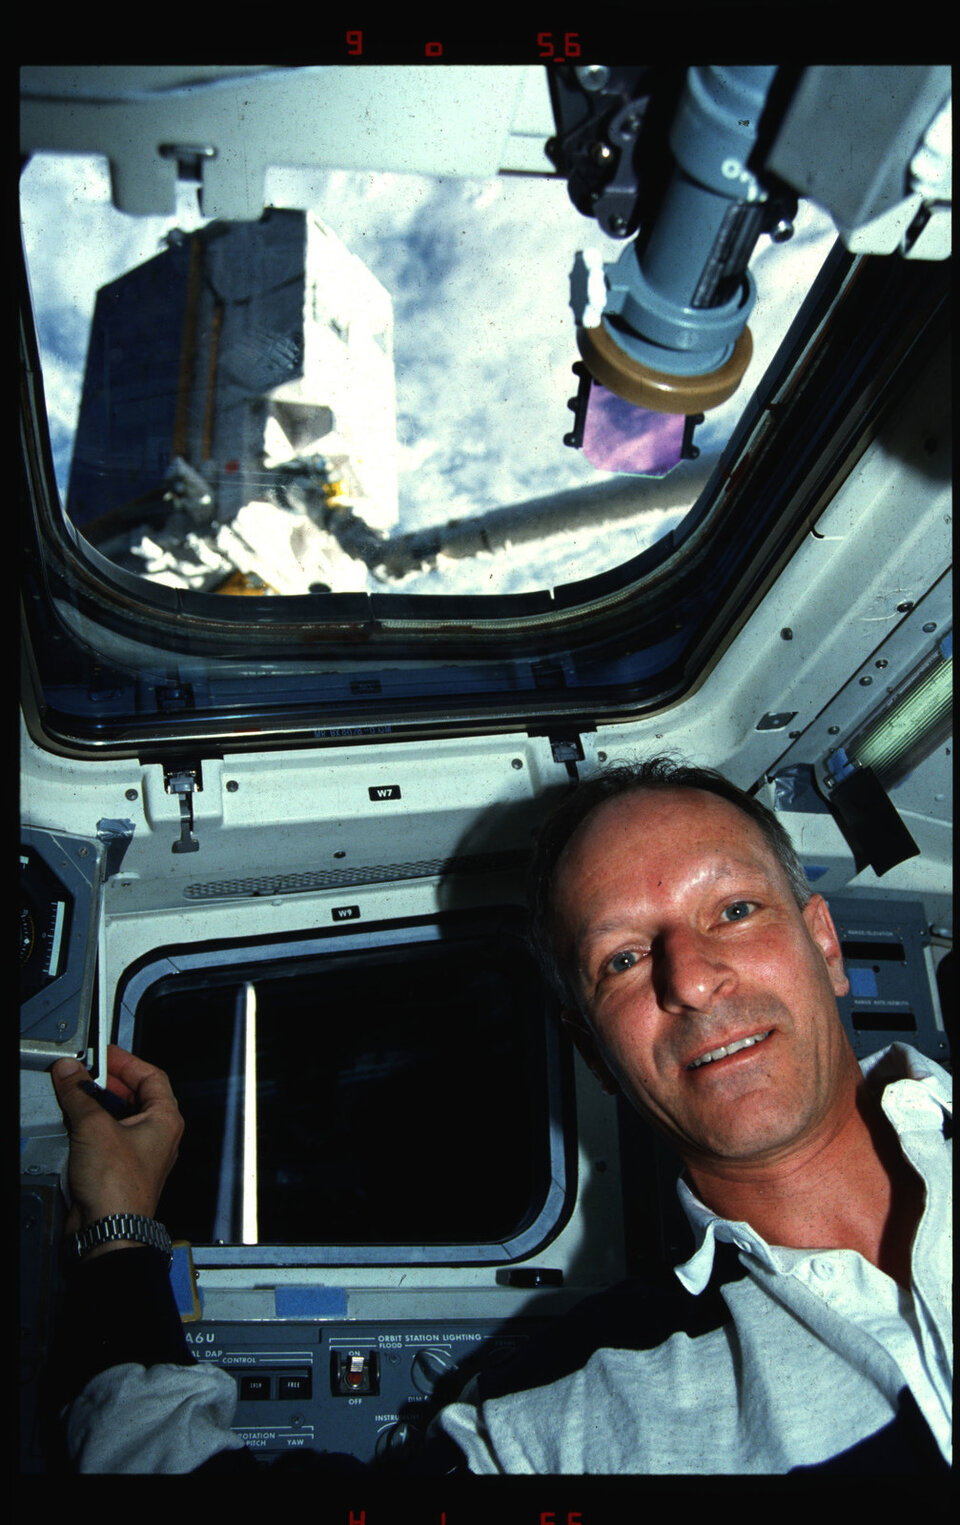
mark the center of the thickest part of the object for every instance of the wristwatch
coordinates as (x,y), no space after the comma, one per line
(123,1226)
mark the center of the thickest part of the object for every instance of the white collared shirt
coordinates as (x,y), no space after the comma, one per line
(914,1327)
(798,1362)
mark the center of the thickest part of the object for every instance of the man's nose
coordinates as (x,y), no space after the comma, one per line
(689,971)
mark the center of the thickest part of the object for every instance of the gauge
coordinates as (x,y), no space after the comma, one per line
(45,915)
(27,935)
(60,880)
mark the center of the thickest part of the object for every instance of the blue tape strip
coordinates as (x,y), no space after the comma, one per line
(311,1302)
(840,765)
(181,1280)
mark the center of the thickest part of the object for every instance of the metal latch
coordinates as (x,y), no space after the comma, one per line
(566,747)
(567,750)
(185,782)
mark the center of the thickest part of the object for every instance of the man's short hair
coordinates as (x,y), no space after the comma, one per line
(656,773)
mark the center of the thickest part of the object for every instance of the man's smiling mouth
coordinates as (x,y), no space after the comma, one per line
(729,1048)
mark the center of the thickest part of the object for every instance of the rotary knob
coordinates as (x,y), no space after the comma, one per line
(397,1440)
(429,1367)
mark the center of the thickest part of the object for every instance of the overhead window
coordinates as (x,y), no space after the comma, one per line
(348,405)
(368,396)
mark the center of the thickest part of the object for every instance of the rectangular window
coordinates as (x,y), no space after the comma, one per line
(401,1102)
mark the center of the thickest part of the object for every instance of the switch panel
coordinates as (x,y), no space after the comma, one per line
(368,1391)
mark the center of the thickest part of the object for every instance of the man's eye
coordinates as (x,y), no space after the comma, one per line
(738,911)
(622,961)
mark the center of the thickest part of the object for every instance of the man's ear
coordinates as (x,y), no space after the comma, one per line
(820,925)
(588,1049)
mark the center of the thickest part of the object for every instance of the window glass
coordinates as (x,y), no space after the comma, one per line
(366,380)
(396,1098)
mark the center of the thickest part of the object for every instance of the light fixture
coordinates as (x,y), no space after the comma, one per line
(914,719)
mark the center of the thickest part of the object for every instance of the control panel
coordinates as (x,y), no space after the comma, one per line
(883,944)
(366,1390)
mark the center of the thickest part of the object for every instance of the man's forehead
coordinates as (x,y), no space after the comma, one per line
(685,809)
(677,819)
(595,886)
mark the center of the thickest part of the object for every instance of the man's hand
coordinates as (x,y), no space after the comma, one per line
(117,1165)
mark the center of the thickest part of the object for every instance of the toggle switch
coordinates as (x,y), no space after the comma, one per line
(354,1374)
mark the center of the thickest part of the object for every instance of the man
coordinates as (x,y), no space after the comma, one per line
(811,1325)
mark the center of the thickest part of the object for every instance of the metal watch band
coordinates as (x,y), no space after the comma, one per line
(123,1226)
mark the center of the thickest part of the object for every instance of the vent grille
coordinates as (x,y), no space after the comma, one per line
(343,878)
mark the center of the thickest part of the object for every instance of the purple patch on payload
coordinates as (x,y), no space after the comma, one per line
(617,436)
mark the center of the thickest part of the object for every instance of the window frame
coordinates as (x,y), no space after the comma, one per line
(617,646)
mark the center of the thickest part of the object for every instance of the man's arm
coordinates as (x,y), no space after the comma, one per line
(128,1409)
(118,1308)
(117,1165)
(125,1406)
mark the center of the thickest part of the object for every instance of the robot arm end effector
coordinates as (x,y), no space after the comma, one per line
(673,336)
(693,165)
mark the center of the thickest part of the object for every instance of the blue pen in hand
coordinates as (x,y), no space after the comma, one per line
(115,1105)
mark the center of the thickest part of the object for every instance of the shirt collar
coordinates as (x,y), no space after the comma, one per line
(914,1090)
(708,1227)
(909,1083)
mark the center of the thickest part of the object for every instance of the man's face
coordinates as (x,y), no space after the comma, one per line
(685,938)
